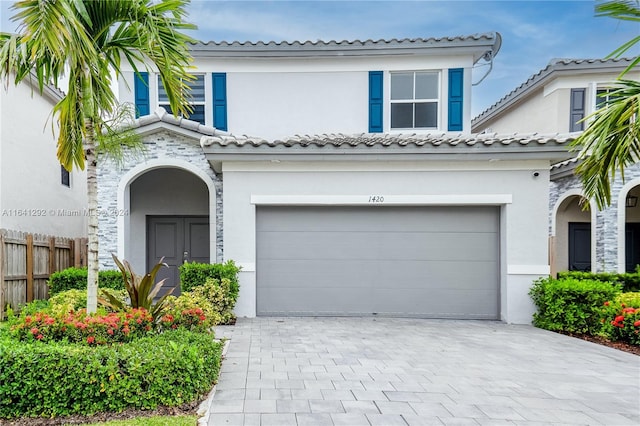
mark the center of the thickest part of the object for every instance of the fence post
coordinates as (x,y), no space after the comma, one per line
(2,302)
(29,268)
(52,261)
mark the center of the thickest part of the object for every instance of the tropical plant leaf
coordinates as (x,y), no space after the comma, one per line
(611,142)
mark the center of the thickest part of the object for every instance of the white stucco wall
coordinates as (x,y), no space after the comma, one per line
(275,98)
(546,110)
(524,198)
(32,198)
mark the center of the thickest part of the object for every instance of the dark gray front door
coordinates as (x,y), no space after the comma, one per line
(440,262)
(579,246)
(177,239)
(632,246)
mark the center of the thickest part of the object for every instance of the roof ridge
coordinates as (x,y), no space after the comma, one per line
(317,42)
(386,139)
(161,115)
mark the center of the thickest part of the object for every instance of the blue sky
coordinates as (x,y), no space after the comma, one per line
(533,32)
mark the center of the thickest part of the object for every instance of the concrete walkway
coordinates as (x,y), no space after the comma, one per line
(366,371)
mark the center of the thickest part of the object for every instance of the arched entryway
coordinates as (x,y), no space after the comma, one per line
(170,209)
(572,247)
(629,227)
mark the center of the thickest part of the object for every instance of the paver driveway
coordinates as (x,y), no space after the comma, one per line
(378,371)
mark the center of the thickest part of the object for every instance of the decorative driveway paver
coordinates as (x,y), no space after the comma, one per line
(383,371)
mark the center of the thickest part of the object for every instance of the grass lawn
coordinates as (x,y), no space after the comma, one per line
(152,421)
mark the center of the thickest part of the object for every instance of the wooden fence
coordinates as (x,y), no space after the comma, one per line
(27,261)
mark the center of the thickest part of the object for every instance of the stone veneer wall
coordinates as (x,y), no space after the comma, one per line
(158,145)
(606,220)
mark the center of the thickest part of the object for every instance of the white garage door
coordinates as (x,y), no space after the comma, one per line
(432,262)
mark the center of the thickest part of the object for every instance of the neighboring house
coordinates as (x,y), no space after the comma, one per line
(556,99)
(36,194)
(360,191)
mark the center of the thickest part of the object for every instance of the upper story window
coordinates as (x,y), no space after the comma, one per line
(603,97)
(197,98)
(414,100)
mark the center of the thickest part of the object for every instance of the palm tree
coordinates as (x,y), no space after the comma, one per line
(612,141)
(85,40)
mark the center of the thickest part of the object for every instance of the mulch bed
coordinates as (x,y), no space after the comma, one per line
(186,409)
(621,346)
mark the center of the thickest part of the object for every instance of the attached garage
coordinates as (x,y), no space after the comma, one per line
(430,262)
(401,225)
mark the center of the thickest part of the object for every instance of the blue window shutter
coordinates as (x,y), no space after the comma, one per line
(141,93)
(375,101)
(456,91)
(220,100)
(577,110)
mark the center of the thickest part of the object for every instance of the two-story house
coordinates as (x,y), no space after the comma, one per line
(36,194)
(359,189)
(556,100)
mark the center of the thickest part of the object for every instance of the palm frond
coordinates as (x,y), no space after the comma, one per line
(611,142)
(625,10)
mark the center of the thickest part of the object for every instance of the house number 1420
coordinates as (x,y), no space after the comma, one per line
(376,199)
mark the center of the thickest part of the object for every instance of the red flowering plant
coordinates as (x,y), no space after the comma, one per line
(621,321)
(190,319)
(79,327)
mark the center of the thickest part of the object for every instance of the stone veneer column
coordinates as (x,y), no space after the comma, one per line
(158,146)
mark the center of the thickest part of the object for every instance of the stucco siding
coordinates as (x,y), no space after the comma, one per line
(276,105)
(32,197)
(276,98)
(531,115)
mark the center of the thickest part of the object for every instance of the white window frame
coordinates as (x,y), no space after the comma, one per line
(207,98)
(437,101)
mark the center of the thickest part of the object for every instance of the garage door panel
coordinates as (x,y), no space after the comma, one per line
(313,245)
(321,301)
(358,219)
(316,273)
(421,303)
(401,261)
(438,246)
(433,274)
(372,245)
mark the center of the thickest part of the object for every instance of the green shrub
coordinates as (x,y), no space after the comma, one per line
(630,299)
(219,294)
(76,279)
(195,274)
(181,312)
(571,305)
(58,379)
(68,300)
(630,282)
(35,306)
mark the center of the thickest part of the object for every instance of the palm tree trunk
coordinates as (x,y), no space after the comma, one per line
(92,200)
(89,147)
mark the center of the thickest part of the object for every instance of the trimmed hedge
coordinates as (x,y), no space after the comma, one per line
(58,379)
(629,282)
(571,305)
(76,279)
(195,274)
